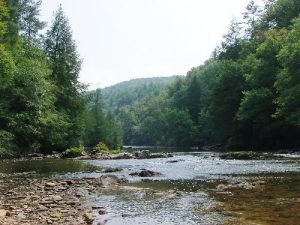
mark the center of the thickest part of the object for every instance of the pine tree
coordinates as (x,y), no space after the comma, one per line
(65,63)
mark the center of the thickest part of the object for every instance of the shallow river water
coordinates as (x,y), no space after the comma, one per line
(189,191)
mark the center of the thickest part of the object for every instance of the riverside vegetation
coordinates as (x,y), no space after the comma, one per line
(245,97)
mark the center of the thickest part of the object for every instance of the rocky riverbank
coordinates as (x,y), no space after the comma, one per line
(27,199)
(90,155)
(145,154)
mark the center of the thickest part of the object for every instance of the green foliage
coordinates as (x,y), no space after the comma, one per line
(288,80)
(6,142)
(3,16)
(65,64)
(128,92)
(102,147)
(100,126)
(246,96)
(73,152)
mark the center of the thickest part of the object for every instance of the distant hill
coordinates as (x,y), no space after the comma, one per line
(127,92)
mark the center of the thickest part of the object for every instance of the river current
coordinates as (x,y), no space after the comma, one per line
(193,188)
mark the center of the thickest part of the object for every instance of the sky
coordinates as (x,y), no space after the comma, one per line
(120,40)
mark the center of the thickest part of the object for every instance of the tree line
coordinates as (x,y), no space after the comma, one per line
(246,96)
(43,106)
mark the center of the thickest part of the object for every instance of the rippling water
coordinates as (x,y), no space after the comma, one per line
(187,193)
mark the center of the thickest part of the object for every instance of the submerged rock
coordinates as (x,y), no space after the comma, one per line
(175,161)
(241,185)
(146,173)
(110,180)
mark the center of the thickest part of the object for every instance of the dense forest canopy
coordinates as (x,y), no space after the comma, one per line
(246,96)
(43,106)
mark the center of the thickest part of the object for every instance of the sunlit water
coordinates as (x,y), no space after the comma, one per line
(194,178)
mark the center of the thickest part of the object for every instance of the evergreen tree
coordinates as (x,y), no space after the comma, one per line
(65,63)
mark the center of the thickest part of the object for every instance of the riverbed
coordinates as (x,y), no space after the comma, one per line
(190,188)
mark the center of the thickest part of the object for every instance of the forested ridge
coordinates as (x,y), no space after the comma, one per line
(246,96)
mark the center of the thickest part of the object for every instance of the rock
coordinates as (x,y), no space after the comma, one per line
(112,170)
(102,222)
(79,194)
(246,155)
(142,154)
(57,198)
(35,155)
(121,156)
(146,154)
(70,182)
(97,207)
(50,184)
(3,213)
(46,201)
(146,173)
(88,218)
(102,211)
(175,161)
(241,185)
(109,180)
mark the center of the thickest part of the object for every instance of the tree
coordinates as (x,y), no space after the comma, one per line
(3,17)
(64,60)
(29,21)
(288,79)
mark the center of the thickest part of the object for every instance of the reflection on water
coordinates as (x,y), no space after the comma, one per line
(46,166)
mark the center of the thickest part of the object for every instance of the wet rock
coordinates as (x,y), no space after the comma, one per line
(142,154)
(146,154)
(112,170)
(88,218)
(102,211)
(79,194)
(175,161)
(109,180)
(102,222)
(98,207)
(241,185)
(146,173)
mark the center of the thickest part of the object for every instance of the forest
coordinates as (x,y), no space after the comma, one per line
(246,96)
(43,106)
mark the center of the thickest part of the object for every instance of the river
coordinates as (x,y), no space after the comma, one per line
(193,188)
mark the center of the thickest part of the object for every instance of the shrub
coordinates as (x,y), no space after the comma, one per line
(102,147)
(74,152)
